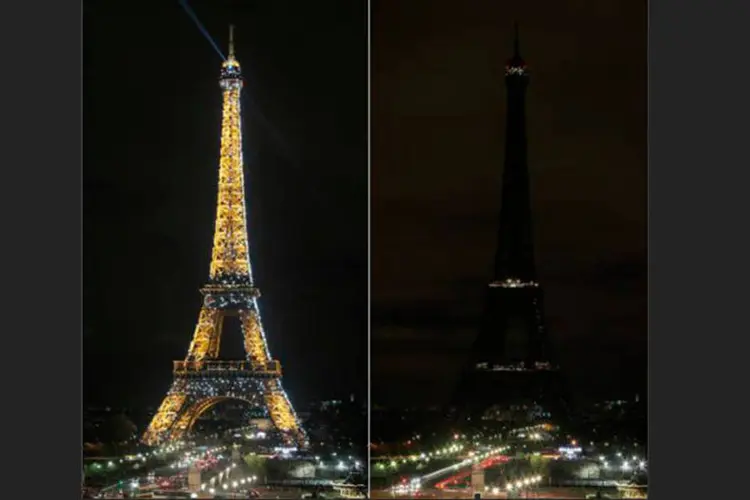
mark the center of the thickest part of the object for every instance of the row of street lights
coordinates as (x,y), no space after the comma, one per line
(243,483)
(523,483)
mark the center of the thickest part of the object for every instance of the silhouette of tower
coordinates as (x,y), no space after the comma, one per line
(202,380)
(510,362)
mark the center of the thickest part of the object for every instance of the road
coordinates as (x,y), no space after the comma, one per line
(542,492)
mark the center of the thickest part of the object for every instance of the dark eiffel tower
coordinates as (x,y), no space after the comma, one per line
(511,371)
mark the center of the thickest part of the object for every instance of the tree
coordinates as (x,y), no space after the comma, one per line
(257,466)
(121,428)
(539,465)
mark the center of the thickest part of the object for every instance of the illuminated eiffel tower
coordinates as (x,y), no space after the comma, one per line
(201,380)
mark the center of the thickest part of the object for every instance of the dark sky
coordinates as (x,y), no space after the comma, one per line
(151,143)
(438,102)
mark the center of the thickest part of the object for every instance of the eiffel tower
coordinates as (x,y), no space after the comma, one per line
(511,367)
(202,380)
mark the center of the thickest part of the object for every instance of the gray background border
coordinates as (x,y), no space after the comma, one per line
(697,160)
(40,216)
(698,103)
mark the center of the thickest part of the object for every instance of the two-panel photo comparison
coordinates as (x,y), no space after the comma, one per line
(365,249)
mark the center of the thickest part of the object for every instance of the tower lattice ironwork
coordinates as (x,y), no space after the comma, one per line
(202,380)
(511,363)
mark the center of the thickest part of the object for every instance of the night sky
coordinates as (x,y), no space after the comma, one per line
(438,123)
(151,141)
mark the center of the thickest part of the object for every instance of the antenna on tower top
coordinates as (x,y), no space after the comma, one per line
(516,41)
(231,40)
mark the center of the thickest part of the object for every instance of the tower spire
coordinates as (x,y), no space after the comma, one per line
(515,251)
(230,261)
(516,64)
(231,41)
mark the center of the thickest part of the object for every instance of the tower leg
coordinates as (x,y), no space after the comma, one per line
(207,336)
(255,344)
(282,415)
(182,424)
(164,419)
